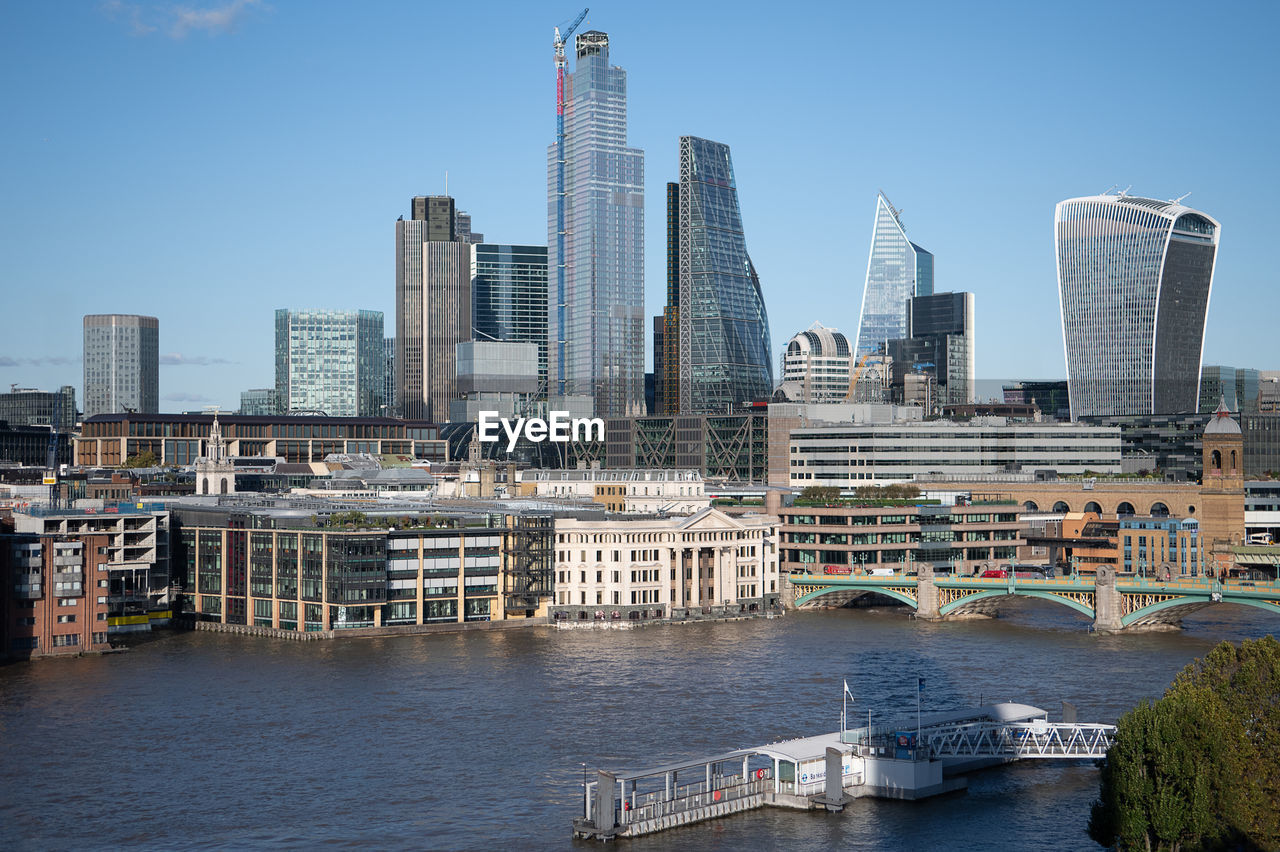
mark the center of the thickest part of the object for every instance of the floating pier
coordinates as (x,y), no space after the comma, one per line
(828,771)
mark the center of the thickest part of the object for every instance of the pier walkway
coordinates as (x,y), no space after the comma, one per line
(829,770)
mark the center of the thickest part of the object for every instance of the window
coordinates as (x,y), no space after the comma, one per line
(67,619)
(68,601)
(63,641)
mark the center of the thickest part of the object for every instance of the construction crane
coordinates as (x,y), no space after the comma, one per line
(560,39)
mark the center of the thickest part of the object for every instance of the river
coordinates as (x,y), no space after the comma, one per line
(477,740)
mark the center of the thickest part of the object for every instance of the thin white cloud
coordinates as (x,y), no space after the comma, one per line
(177,20)
(185,397)
(177,359)
(45,361)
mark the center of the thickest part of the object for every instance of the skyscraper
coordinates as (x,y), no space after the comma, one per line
(433,307)
(330,361)
(897,269)
(939,343)
(121,364)
(389,375)
(1134,276)
(722,349)
(596,294)
(820,364)
(509,298)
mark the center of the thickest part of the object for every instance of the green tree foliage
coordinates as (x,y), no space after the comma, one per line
(888,492)
(820,494)
(1200,768)
(143,459)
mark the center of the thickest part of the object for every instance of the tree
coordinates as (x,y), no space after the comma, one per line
(820,494)
(146,458)
(1200,768)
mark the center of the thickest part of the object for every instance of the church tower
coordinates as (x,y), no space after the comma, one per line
(215,474)
(1221,483)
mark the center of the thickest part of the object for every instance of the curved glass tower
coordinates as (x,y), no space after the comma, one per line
(722,346)
(1134,276)
(897,269)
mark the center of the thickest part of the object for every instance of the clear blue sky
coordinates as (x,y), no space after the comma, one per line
(209,161)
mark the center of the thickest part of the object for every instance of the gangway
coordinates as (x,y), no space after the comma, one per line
(1020,740)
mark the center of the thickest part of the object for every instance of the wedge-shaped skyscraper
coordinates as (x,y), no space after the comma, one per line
(1133,278)
(897,269)
(716,329)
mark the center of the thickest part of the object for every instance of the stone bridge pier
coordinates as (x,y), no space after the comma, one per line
(926,594)
(1108,613)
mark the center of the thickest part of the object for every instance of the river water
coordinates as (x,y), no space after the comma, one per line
(461,741)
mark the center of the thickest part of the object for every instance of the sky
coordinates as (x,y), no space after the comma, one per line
(209,161)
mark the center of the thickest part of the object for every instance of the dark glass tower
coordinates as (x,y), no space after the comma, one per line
(509,298)
(721,347)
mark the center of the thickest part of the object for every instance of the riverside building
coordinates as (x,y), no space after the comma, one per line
(1134,276)
(849,456)
(706,564)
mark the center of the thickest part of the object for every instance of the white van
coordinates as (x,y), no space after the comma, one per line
(881,572)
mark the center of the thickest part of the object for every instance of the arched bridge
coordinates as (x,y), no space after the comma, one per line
(1112,603)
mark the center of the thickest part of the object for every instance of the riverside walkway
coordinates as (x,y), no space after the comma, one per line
(1114,603)
(901,760)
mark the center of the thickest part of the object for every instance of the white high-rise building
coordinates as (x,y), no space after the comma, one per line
(818,363)
(1134,276)
(121,364)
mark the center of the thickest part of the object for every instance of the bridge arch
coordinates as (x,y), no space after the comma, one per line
(1172,611)
(1158,510)
(1061,506)
(960,605)
(812,596)
(1125,508)
(1092,506)
(1030,506)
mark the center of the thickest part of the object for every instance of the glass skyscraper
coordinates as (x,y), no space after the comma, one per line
(1134,276)
(330,361)
(121,364)
(595,305)
(717,332)
(897,269)
(509,298)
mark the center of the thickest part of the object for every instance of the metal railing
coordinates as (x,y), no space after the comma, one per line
(1022,740)
(686,797)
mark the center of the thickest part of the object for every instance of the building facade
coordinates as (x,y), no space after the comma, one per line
(721,328)
(1050,397)
(179,439)
(595,303)
(1238,387)
(259,402)
(897,269)
(389,398)
(729,446)
(819,364)
(509,298)
(705,564)
(121,364)
(31,407)
(849,456)
(849,538)
(433,307)
(1134,276)
(329,362)
(55,599)
(673,492)
(940,343)
(496,376)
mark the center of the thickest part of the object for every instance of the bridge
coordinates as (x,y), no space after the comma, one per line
(1113,603)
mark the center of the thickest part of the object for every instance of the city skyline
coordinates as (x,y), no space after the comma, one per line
(220,115)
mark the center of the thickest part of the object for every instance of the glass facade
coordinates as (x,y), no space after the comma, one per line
(330,361)
(723,348)
(30,407)
(897,269)
(509,297)
(1134,276)
(258,402)
(121,364)
(595,307)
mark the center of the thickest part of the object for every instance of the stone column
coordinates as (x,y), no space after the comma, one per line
(926,593)
(1106,601)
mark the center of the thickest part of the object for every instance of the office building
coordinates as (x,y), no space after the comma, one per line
(723,354)
(259,402)
(705,564)
(1050,397)
(389,375)
(848,456)
(433,307)
(1238,387)
(851,538)
(1134,276)
(53,604)
(817,366)
(495,376)
(939,344)
(509,298)
(595,303)
(329,362)
(121,364)
(31,407)
(897,269)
